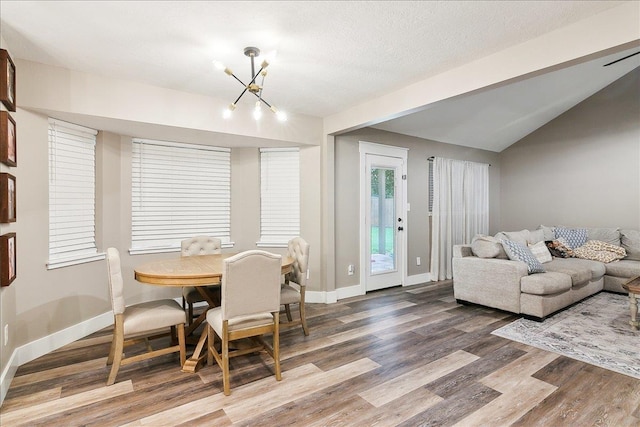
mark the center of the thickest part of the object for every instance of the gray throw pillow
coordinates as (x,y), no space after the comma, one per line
(485,246)
(630,240)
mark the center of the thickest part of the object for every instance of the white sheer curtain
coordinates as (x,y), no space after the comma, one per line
(460,209)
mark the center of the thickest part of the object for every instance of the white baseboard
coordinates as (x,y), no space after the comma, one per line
(44,345)
(7,375)
(349,291)
(417,279)
(316,297)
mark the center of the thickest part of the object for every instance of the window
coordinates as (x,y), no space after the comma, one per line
(72,183)
(279,196)
(178,191)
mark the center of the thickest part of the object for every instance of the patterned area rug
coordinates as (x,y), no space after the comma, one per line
(595,331)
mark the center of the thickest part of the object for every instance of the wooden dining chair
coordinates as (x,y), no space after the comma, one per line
(295,283)
(199,245)
(250,309)
(140,322)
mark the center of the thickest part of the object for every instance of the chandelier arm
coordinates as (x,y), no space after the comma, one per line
(241,82)
(240,96)
(262,99)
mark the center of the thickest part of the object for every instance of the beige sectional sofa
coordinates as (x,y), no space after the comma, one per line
(483,274)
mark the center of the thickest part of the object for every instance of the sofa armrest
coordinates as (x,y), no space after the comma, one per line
(461,251)
(489,281)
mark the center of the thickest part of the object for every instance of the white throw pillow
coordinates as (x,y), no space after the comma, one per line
(540,251)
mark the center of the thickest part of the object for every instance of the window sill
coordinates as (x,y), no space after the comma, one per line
(272,244)
(52,265)
(143,251)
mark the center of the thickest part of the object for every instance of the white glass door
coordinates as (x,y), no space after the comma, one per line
(384,218)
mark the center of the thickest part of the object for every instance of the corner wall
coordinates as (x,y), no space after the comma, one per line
(581,169)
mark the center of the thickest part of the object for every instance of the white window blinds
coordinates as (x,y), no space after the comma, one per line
(279,196)
(72,198)
(178,191)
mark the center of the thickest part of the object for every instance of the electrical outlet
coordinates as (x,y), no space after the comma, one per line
(350,269)
(418,260)
(6,334)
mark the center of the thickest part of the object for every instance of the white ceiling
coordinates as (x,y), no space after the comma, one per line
(330,55)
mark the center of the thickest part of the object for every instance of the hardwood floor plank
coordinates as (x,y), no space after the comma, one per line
(61,371)
(282,392)
(30,414)
(408,382)
(30,399)
(365,314)
(453,408)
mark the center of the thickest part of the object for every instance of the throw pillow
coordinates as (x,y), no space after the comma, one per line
(558,249)
(518,252)
(575,237)
(540,251)
(485,246)
(631,242)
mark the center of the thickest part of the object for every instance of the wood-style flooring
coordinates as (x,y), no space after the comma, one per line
(398,357)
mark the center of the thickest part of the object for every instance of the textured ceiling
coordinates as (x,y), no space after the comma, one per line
(330,55)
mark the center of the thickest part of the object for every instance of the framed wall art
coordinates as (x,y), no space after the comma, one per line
(7,259)
(8,141)
(8,199)
(7,81)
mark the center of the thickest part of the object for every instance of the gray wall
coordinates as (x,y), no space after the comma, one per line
(581,169)
(347,204)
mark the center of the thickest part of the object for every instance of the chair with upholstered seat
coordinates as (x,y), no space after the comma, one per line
(295,283)
(140,322)
(250,309)
(199,245)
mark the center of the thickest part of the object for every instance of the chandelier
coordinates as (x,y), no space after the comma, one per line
(253,87)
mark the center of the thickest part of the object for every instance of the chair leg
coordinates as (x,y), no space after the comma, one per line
(117,352)
(211,344)
(112,349)
(287,309)
(303,319)
(225,362)
(276,345)
(181,342)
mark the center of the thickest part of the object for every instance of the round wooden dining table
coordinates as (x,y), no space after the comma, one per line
(199,271)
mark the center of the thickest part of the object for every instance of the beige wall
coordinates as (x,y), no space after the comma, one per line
(581,169)
(347,203)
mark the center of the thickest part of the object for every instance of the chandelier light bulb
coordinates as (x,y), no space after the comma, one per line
(228,111)
(219,65)
(257,112)
(282,116)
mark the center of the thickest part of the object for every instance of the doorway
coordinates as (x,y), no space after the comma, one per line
(383,215)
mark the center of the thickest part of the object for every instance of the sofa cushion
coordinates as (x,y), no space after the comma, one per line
(545,284)
(521,237)
(623,268)
(518,252)
(608,235)
(540,251)
(580,270)
(575,237)
(630,240)
(487,247)
(536,236)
